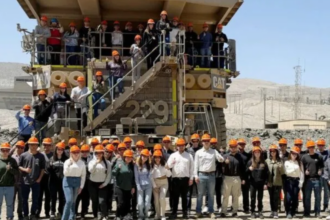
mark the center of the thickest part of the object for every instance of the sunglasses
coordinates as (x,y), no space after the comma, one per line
(5,151)
(21,148)
(98,153)
(282,145)
(75,153)
(84,152)
(166,142)
(181,145)
(206,141)
(60,149)
(273,151)
(47,145)
(122,149)
(194,141)
(157,157)
(139,147)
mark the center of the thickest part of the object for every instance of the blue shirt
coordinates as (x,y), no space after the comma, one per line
(206,39)
(324,155)
(23,124)
(142,177)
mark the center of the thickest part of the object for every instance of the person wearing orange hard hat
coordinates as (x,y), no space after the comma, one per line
(313,167)
(61,103)
(275,183)
(218,47)
(298,142)
(71,38)
(128,35)
(117,38)
(205,174)
(86,34)
(167,151)
(191,44)
(173,35)
(43,109)
(8,172)
(164,26)
(150,39)
(182,165)
(256,142)
(233,177)
(32,166)
(324,153)
(99,89)
(42,33)
(139,146)
(283,144)
(123,173)
(55,41)
(137,53)
(111,157)
(128,142)
(55,170)
(79,95)
(205,39)
(25,125)
(102,40)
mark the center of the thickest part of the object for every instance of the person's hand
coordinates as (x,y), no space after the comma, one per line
(102,83)
(59,25)
(99,160)
(157,190)
(329,182)
(197,180)
(28,170)
(68,102)
(251,168)
(132,191)
(117,156)
(101,186)
(8,167)
(79,190)
(84,39)
(307,172)
(227,161)
(166,167)
(265,187)
(119,166)
(38,180)
(31,123)
(104,45)
(319,172)
(191,182)
(222,40)
(243,182)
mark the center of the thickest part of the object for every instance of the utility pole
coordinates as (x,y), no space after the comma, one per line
(265,111)
(297,98)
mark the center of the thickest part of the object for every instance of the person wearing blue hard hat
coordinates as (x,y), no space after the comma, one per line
(54,42)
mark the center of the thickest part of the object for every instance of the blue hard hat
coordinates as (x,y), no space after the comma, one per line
(53,20)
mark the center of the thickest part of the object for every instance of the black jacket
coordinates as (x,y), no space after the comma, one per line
(235,167)
(164,25)
(43,110)
(100,39)
(87,34)
(216,38)
(150,38)
(191,39)
(259,174)
(55,168)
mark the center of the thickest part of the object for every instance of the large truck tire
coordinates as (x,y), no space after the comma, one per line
(220,123)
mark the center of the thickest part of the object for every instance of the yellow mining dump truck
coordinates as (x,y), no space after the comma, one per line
(173,97)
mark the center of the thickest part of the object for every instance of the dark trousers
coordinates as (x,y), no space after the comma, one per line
(35,187)
(41,56)
(84,118)
(55,57)
(190,193)
(152,57)
(84,198)
(245,193)
(218,186)
(56,189)
(124,202)
(99,198)
(44,190)
(25,138)
(291,188)
(71,58)
(274,196)
(110,197)
(134,202)
(309,186)
(170,194)
(180,190)
(256,188)
(18,192)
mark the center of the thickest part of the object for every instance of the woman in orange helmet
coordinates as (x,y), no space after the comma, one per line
(43,33)
(61,108)
(43,110)
(102,40)
(99,88)
(150,40)
(86,34)
(164,26)
(71,38)
(137,55)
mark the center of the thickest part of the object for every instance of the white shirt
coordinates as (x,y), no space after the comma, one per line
(83,93)
(159,171)
(99,172)
(75,169)
(205,160)
(117,38)
(293,170)
(182,165)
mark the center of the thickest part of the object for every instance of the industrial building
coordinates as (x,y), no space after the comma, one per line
(303,124)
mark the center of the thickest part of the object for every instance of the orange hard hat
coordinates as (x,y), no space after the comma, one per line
(95,141)
(81,79)
(206,137)
(74,148)
(213,141)
(128,153)
(26,107)
(128,23)
(42,92)
(140,143)
(63,85)
(180,142)
(320,142)
(298,141)
(145,152)
(166,139)
(121,145)
(151,21)
(175,18)
(87,19)
(190,24)
(105,142)
(127,140)
(255,139)
(60,145)
(44,18)
(158,153)
(73,141)
(220,26)
(33,140)
(310,144)
(116,23)
(104,23)
(115,142)
(99,148)
(158,147)
(205,25)
(47,141)
(241,141)
(295,149)
(72,24)
(163,13)
(195,137)
(5,145)
(272,147)
(115,53)
(254,149)
(98,73)
(85,147)
(233,143)
(282,141)
(20,144)
(110,147)
(137,37)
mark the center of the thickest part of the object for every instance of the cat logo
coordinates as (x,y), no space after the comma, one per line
(218,82)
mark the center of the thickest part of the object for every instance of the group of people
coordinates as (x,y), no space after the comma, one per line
(98,42)
(138,179)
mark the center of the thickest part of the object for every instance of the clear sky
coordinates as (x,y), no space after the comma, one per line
(271,37)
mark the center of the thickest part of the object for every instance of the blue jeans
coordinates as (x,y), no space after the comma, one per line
(324,185)
(42,134)
(292,190)
(144,198)
(308,187)
(71,58)
(85,51)
(206,185)
(8,193)
(70,188)
(96,97)
(115,80)
(35,198)
(206,54)
(41,57)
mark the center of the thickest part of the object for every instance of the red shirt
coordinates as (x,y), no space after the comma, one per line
(54,32)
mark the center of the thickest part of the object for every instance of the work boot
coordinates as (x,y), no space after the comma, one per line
(261,215)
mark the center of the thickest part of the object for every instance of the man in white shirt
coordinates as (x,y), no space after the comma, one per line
(182,166)
(204,172)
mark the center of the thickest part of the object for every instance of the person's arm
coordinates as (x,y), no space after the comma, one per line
(18,115)
(86,94)
(154,185)
(225,38)
(211,40)
(13,167)
(191,168)
(266,174)
(137,177)
(170,161)
(12,150)
(66,167)
(108,177)
(218,156)
(47,34)
(35,104)
(42,168)
(83,175)
(196,164)
(302,176)
(92,166)
(116,169)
